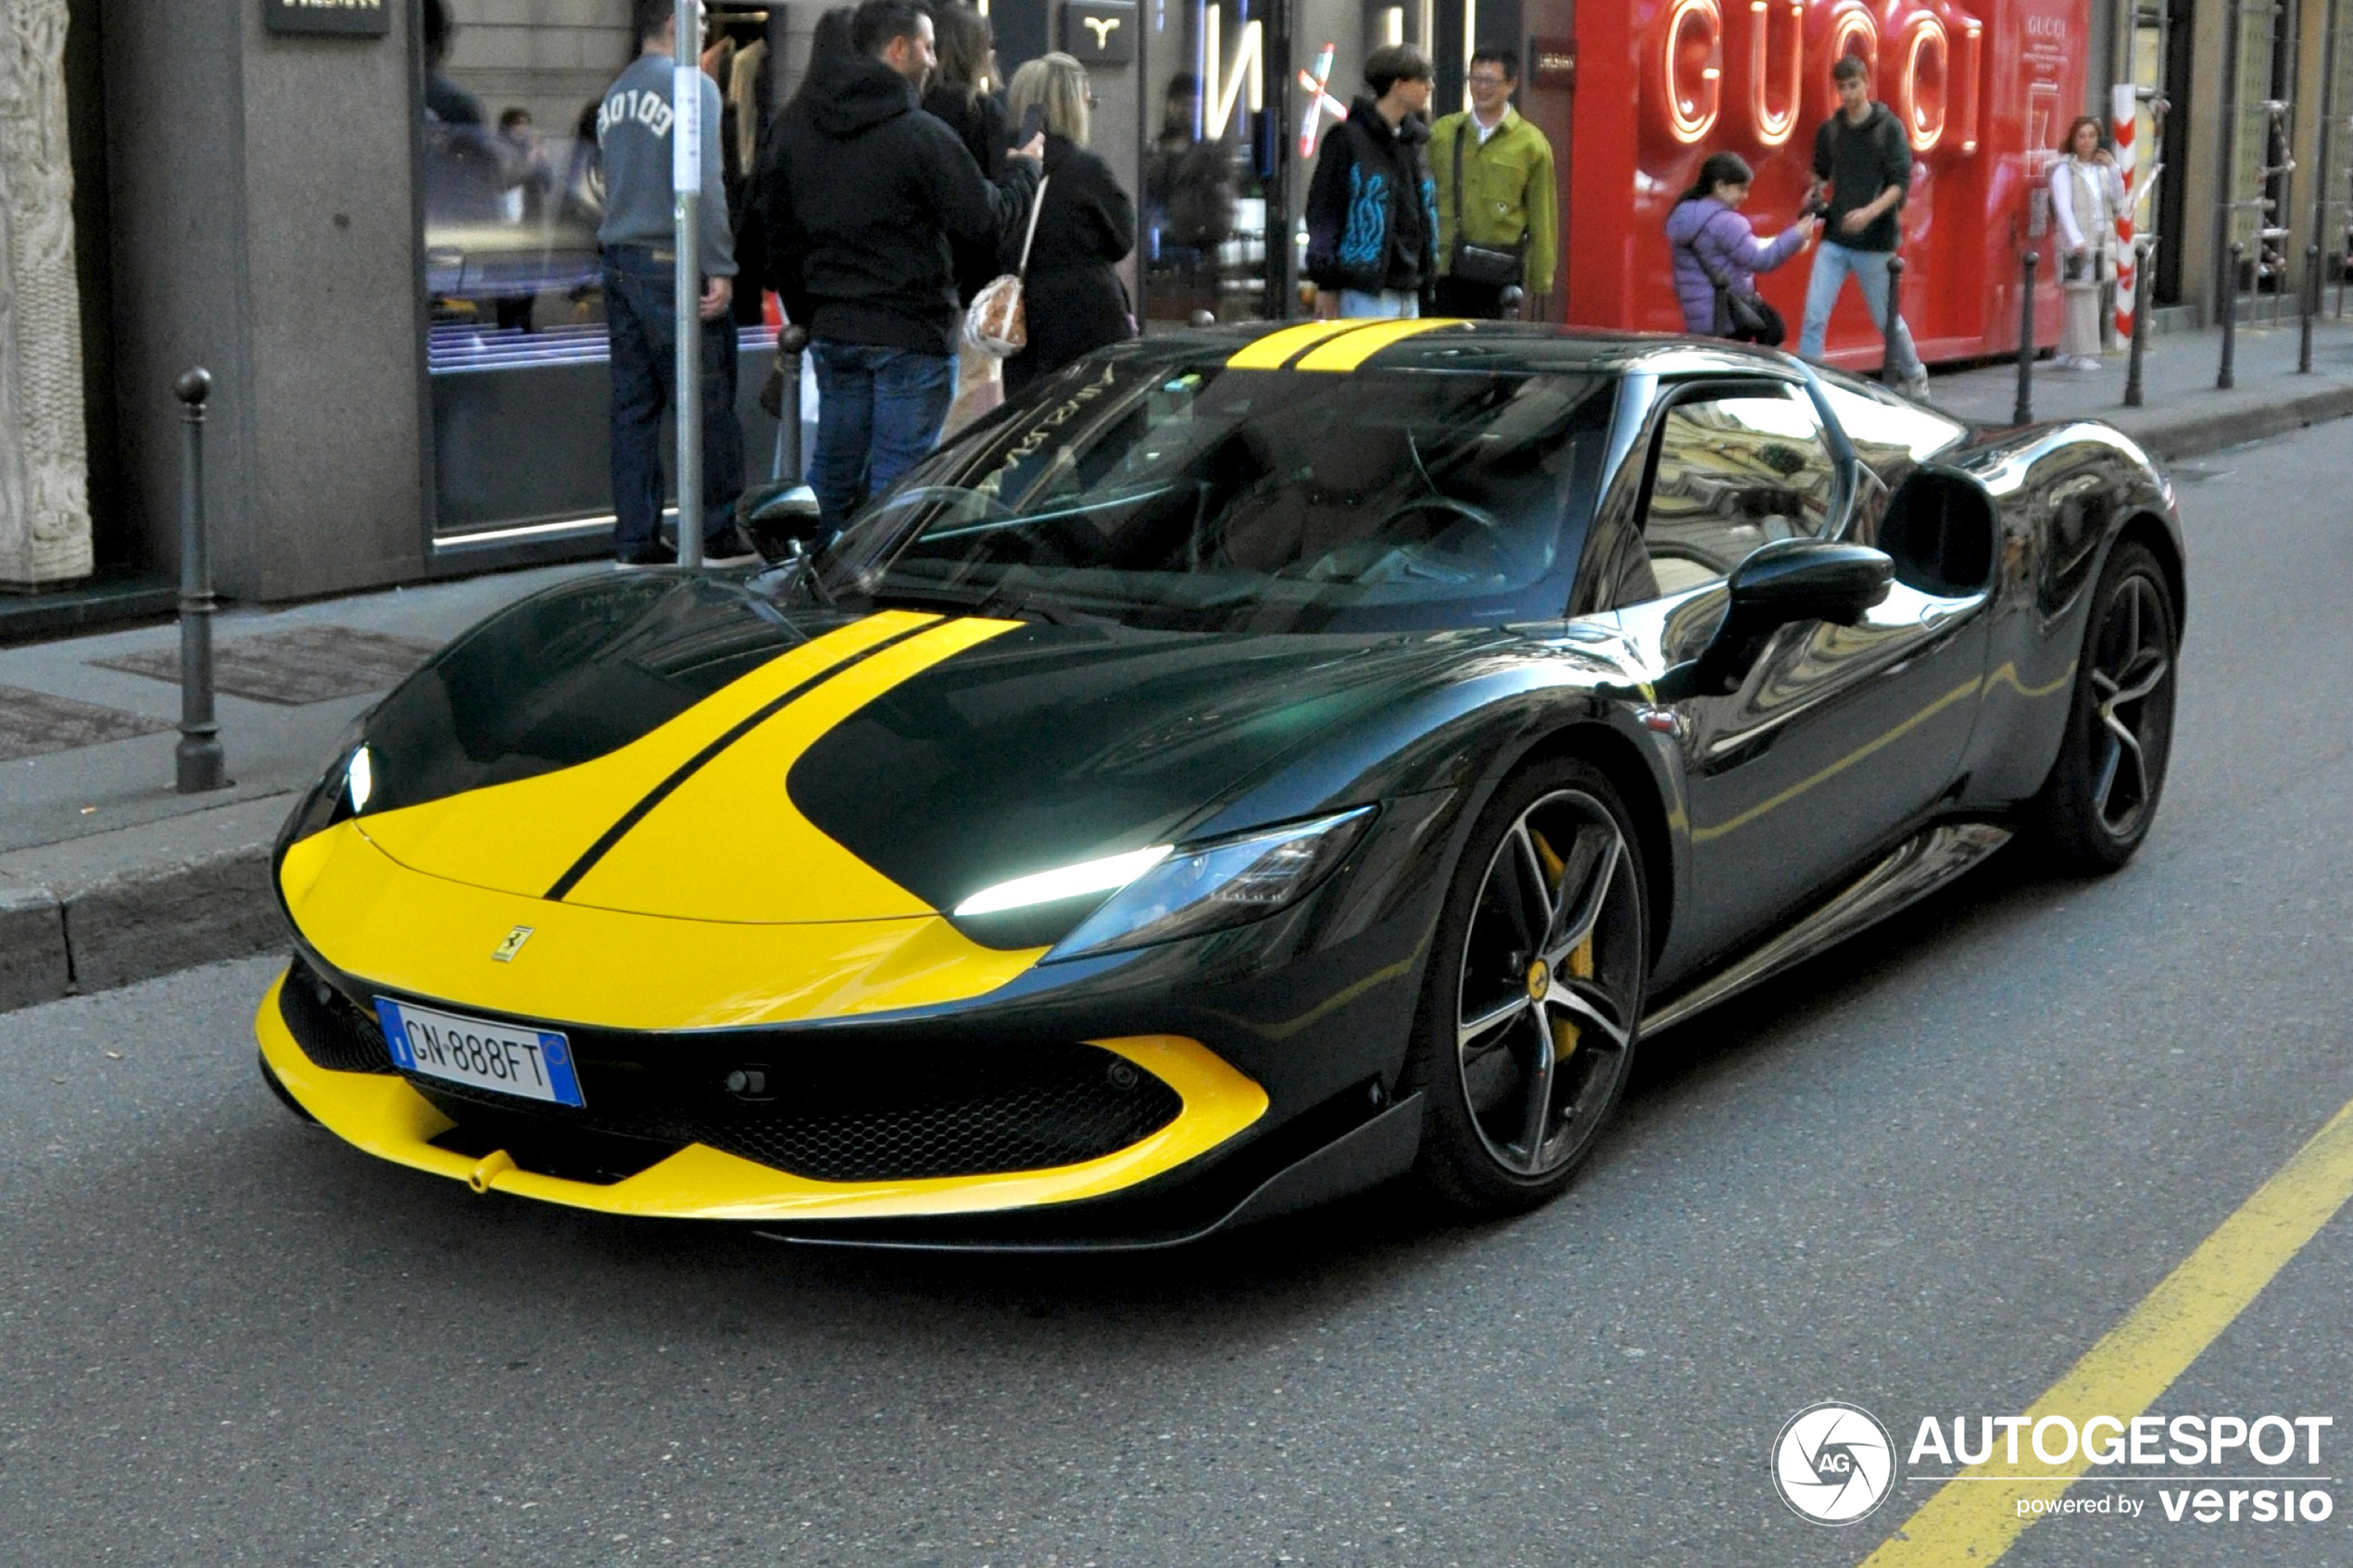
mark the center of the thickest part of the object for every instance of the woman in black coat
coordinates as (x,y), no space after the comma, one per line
(1072,300)
(958,93)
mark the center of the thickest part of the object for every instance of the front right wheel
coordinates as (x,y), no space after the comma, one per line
(1534,994)
(2096,807)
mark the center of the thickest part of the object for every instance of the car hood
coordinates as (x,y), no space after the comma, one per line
(679,747)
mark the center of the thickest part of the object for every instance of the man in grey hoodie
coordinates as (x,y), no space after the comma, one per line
(634,131)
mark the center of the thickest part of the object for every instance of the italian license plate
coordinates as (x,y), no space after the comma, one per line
(533,1064)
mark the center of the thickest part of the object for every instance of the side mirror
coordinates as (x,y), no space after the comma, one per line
(1787,580)
(781,519)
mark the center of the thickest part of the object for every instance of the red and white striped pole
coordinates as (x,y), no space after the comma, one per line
(2125,109)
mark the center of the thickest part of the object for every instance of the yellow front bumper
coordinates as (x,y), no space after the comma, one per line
(382,1114)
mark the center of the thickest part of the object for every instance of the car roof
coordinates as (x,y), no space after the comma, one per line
(1444,344)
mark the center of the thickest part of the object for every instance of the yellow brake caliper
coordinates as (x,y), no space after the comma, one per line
(1580,957)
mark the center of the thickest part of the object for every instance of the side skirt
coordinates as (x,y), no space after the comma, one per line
(1914,869)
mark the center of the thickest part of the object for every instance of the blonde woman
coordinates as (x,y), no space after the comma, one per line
(1072,300)
(2085,194)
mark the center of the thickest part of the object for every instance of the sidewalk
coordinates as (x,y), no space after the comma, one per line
(106,876)
(2184,415)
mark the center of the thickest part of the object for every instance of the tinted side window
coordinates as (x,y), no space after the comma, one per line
(1734,472)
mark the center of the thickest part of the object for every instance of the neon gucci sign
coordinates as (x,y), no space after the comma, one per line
(1934,83)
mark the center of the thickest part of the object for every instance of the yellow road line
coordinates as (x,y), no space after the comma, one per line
(1347,352)
(2140,1358)
(1269,352)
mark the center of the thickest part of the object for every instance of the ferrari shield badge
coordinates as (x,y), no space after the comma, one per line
(511,945)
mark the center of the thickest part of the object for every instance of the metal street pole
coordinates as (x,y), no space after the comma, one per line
(199,758)
(685,182)
(2022,412)
(2140,330)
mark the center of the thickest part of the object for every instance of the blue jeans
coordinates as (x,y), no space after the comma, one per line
(1393,302)
(1832,263)
(878,414)
(641,324)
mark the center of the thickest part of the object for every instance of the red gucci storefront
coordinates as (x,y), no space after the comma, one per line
(1633,98)
(1984,94)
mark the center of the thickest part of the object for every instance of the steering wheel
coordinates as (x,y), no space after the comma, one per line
(1446,504)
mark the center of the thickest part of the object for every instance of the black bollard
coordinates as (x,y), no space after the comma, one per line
(2311,299)
(2226,379)
(199,752)
(1894,320)
(2023,413)
(2140,325)
(790,343)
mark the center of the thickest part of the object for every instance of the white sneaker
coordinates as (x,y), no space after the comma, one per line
(1916,386)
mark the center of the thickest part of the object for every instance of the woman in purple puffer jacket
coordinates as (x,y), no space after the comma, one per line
(1707,220)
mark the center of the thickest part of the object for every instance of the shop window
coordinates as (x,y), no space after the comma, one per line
(512,193)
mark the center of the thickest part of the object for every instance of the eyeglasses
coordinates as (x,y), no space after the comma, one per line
(1489,80)
(1093,100)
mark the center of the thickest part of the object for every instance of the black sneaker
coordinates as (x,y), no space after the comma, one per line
(728,548)
(646,554)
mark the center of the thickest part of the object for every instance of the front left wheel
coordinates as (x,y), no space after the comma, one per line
(1534,994)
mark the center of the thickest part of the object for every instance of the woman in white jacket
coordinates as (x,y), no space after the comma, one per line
(2086,194)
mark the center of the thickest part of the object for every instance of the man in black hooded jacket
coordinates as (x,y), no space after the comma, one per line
(860,201)
(1372,207)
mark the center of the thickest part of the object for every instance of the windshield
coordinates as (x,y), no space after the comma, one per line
(1199,497)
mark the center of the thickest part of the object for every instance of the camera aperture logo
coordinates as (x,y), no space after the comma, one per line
(1833,1463)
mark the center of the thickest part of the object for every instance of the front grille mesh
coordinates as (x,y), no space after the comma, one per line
(1019,1109)
(333,1030)
(886,1114)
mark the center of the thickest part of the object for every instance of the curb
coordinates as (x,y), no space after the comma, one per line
(2191,435)
(94,913)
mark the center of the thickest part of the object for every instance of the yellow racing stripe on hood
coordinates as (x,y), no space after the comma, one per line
(729,845)
(430,936)
(1273,351)
(1348,352)
(519,837)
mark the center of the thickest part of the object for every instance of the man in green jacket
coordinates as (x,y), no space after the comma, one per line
(1498,224)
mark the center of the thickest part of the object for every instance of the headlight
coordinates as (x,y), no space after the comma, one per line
(1064,882)
(359,778)
(1228,882)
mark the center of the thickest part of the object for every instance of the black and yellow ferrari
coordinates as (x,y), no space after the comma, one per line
(1250,768)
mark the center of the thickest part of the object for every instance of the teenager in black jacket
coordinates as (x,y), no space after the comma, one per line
(1372,207)
(862,200)
(1073,301)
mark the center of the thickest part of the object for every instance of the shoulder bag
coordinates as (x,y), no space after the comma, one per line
(1490,265)
(996,322)
(1741,314)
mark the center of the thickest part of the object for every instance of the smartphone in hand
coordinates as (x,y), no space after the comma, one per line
(1033,124)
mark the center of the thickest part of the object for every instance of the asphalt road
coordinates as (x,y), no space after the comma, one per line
(1924,1174)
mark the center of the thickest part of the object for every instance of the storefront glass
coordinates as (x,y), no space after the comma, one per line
(1224,147)
(513,193)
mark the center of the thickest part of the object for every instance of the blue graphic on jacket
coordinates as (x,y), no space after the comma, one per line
(1366,241)
(1429,211)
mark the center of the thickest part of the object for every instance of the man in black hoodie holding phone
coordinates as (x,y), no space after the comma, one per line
(860,200)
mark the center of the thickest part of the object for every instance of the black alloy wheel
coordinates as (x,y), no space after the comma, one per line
(2096,807)
(1528,1017)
